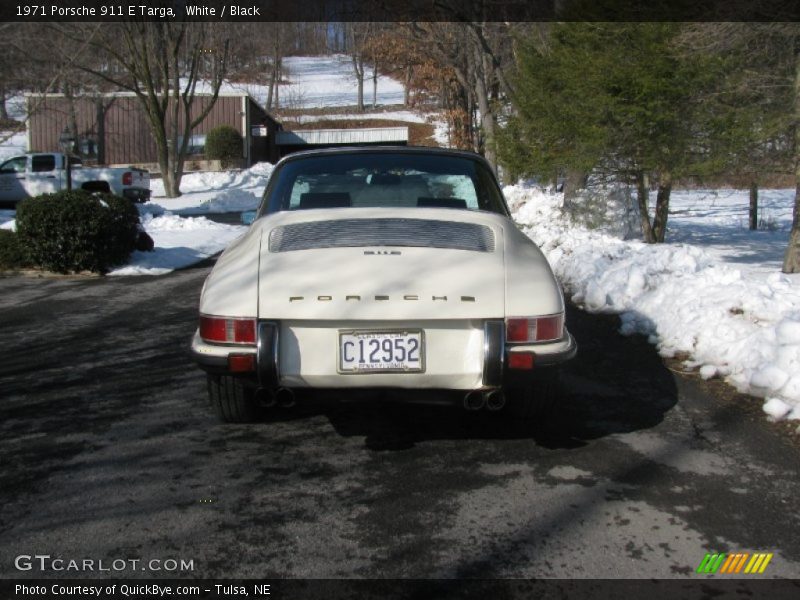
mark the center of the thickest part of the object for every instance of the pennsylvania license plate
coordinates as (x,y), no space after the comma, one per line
(381,351)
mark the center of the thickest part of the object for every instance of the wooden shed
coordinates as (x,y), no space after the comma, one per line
(112,129)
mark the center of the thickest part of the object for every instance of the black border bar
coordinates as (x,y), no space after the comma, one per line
(390,589)
(399,10)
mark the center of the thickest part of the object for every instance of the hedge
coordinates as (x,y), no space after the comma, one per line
(77,230)
(223,143)
(12,253)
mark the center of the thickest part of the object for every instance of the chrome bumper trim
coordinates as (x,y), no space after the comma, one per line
(267,363)
(494,345)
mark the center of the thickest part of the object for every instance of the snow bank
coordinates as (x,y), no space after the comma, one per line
(180,242)
(212,192)
(745,329)
(8,220)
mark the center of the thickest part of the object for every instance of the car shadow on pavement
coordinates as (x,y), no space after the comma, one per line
(616,384)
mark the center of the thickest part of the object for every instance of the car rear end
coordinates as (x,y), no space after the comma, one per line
(350,280)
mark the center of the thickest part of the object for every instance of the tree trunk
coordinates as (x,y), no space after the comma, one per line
(574,181)
(662,207)
(407,87)
(275,74)
(100,117)
(487,118)
(791,260)
(270,89)
(753,205)
(171,187)
(3,108)
(72,120)
(643,197)
(375,85)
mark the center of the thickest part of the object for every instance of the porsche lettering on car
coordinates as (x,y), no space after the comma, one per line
(376,268)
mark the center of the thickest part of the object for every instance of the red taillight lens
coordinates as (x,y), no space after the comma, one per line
(550,328)
(517,330)
(127,178)
(228,331)
(536,329)
(520,360)
(244,331)
(241,363)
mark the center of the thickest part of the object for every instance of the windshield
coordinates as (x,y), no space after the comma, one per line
(385,180)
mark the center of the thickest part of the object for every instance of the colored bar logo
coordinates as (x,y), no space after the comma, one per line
(735,563)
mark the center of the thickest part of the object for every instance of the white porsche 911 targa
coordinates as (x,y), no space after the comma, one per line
(382,268)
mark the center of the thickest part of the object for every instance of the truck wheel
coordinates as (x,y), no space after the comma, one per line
(535,400)
(232,400)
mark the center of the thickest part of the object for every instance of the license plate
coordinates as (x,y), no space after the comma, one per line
(381,351)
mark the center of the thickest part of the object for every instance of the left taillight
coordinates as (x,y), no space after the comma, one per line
(535,329)
(127,178)
(227,330)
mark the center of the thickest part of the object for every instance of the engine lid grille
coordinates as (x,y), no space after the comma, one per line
(344,233)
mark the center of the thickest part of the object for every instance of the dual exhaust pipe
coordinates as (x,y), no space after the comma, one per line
(282,397)
(492,400)
(474,400)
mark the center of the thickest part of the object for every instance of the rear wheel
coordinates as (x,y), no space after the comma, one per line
(535,399)
(233,401)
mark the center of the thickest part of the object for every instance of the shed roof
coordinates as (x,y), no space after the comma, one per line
(372,135)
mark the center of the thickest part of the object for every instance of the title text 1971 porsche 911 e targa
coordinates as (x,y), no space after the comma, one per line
(382,268)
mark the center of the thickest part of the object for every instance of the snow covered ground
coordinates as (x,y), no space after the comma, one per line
(12,144)
(713,296)
(319,81)
(179,242)
(182,240)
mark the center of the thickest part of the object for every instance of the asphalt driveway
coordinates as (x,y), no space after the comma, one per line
(109,451)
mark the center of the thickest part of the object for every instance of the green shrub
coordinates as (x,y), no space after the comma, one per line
(12,253)
(77,230)
(223,143)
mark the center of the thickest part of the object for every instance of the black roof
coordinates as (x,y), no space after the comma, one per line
(383,150)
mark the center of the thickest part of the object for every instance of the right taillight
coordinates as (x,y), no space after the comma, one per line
(227,330)
(535,329)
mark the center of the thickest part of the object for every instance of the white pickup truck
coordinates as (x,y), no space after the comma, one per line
(37,173)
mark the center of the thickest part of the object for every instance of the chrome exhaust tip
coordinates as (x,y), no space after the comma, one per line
(495,400)
(474,400)
(284,397)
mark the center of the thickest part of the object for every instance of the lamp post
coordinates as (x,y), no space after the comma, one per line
(67,143)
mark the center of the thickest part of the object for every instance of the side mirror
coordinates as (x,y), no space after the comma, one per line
(248,217)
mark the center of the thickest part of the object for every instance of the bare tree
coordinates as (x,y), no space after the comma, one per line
(162,63)
(765,58)
(360,35)
(275,67)
(464,48)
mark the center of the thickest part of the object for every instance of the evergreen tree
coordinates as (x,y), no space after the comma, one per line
(615,98)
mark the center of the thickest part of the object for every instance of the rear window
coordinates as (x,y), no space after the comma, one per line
(385,180)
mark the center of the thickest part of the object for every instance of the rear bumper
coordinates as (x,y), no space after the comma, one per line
(136,194)
(467,357)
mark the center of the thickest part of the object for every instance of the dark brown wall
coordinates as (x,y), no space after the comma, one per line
(127,132)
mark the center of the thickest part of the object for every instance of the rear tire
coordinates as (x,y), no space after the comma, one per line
(233,401)
(535,400)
